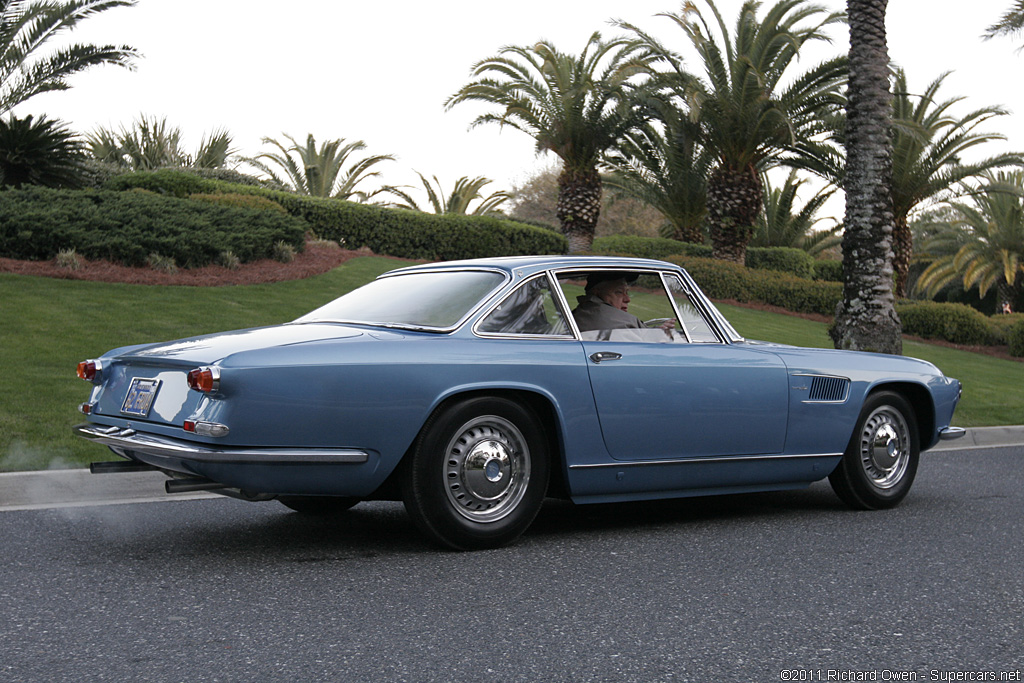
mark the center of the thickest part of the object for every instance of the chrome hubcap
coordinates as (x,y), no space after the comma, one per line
(487,469)
(885,447)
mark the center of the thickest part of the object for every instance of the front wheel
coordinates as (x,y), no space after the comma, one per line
(478,474)
(880,462)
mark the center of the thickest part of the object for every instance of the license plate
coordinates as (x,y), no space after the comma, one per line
(140,397)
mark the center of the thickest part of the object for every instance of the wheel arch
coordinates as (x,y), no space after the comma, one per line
(539,403)
(920,399)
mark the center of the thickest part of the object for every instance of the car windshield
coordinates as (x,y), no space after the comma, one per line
(417,300)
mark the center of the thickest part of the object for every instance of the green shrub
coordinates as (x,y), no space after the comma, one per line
(657,248)
(829,271)
(126,227)
(1000,326)
(955,323)
(167,181)
(1016,339)
(783,259)
(248,201)
(390,232)
(726,280)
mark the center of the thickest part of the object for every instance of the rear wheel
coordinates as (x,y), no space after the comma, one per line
(318,505)
(881,460)
(478,474)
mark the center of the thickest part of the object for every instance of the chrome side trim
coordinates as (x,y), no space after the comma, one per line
(950,433)
(130,440)
(702,459)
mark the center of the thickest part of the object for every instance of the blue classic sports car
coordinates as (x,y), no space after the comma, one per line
(471,390)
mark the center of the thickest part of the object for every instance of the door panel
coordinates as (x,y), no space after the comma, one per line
(685,400)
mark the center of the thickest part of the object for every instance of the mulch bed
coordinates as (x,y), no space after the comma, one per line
(317,258)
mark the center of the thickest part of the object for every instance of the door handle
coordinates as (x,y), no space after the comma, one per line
(604,355)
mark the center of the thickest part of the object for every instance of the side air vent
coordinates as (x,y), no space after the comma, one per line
(829,389)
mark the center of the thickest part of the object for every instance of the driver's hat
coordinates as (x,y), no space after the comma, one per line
(600,276)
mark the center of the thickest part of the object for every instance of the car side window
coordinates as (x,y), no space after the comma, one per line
(621,306)
(696,326)
(529,310)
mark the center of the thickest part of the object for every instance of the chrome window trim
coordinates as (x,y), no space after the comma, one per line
(699,299)
(716,321)
(522,335)
(507,277)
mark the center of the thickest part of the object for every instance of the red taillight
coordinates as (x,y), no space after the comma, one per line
(90,370)
(205,379)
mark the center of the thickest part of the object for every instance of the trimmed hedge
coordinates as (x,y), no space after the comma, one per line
(829,271)
(1016,339)
(658,248)
(956,323)
(391,232)
(725,280)
(783,259)
(127,227)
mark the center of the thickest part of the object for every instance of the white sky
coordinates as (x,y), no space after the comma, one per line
(381,71)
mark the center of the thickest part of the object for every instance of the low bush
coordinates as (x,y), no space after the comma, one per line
(247,201)
(391,232)
(829,271)
(783,259)
(1016,339)
(955,323)
(725,280)
(657,248)
(127,227)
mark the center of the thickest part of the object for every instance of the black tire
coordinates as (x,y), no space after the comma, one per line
(320,506)
(478,474)
(881,460)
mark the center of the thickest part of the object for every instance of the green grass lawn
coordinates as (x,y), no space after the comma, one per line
(47,326)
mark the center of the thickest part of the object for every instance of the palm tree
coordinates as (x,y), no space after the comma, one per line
(151,143)
(928,147)
(25,27)
(782,224)
(1010,24)
(319,172)
(39,152)
(866,318)
(929,144)
(572,106)
(749,121)
(661,163)
(983,244)
(466,191)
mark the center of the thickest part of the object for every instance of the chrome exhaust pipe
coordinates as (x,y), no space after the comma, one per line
(191,484)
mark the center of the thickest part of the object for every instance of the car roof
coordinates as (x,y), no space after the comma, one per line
(527,265)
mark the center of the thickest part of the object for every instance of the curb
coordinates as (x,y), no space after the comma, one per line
(985,437)
(78,488)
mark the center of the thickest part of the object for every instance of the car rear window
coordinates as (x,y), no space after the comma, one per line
(430,300)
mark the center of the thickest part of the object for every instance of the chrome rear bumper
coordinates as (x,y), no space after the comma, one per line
(127,441)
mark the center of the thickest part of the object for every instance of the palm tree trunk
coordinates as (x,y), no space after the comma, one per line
(902,250)
(734,201)
(866,319)
(579,206)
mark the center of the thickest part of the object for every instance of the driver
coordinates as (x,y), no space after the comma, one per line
(604,302)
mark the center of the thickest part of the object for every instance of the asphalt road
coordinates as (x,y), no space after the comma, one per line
(766,587)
